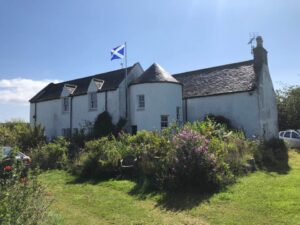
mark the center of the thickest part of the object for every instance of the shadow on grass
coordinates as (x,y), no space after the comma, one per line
(92,180)
(279,166)
(173,201)
(183,200)
(282,169)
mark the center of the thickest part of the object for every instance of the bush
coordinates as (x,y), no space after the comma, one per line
(119,126)
(103,125)
(22,203)
(52,155)
(32,138)
(153,151)
(272,155)
(22,135)
(234,151)
(209,128)
(194,166)
(205,155)
(100,159)
(220,120)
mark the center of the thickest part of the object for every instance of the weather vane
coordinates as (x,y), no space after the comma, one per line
(252,37)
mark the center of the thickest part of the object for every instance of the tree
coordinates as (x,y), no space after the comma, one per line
(103,125)
(288,103)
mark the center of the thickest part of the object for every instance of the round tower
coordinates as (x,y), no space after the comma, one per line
(155,100)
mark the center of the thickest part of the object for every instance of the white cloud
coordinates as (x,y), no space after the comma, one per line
(20,90)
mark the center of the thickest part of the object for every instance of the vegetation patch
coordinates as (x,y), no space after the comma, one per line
(260,198)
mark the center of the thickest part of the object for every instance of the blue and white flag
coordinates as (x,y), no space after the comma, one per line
(118,52)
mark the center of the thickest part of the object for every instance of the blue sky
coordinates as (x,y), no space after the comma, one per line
(55,40)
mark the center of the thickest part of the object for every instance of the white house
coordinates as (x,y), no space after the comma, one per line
(242,92)
(155,100)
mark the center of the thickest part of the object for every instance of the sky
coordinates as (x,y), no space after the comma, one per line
(57,40)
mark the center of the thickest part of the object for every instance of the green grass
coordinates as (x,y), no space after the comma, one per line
(260,198)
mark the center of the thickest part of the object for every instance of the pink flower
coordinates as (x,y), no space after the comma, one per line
(8,168)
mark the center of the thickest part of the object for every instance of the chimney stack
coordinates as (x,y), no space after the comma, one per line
(260,55)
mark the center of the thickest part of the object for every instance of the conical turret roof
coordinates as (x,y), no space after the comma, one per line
(155,74)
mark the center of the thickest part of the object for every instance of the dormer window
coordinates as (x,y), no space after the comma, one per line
(93,101)
(68,90)
(65,104)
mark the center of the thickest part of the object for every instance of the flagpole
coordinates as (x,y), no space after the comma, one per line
(126,85)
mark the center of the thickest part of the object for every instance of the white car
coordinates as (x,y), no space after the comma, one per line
(5,152)
(291,137)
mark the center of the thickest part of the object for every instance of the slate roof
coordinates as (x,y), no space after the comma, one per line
(225,79)
(154,74)
(111,80)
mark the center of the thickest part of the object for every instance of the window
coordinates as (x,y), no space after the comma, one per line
(133,129)
(281,133)
(294,135)
(287,134)
(164,121)
(65,104)
(66,132)
(93,101)
(141,101)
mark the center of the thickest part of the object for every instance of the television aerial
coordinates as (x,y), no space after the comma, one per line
(252,37)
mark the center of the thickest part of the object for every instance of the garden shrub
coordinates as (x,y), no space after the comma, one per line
(22,203)
(272,155)
(119,126)
(52,155)
(220,120)
(205,155)
(31,138)
(22,135)
(103,125)
(154,152)
(209,128)
(193,165)
(101,158)
(234,151)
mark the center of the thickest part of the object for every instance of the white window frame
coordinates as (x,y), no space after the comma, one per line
(93,101)
(164,121)
(65,104)
(141,102)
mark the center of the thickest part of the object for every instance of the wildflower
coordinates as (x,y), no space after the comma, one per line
(8,168)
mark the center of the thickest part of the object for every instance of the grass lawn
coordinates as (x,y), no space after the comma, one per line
(260,198)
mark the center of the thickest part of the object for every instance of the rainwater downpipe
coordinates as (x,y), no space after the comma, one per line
(71,115)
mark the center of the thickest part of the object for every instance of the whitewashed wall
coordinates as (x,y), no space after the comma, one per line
(81,111)
(135,72)
(240,108)
(50,116)
(267,105)
(160,99)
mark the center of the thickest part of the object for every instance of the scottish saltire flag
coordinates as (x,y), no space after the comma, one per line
(118,52)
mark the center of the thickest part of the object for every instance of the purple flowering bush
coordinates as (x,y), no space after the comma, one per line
(193,165)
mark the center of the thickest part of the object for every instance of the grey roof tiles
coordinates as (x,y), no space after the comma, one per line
(231,78)
(111,80)
(154,74)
